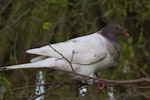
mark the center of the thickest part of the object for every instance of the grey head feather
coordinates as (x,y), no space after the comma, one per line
(111,33)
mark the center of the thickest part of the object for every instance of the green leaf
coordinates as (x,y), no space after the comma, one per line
(47,25)
(108,13)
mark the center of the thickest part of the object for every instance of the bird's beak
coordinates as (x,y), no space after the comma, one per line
(126,34)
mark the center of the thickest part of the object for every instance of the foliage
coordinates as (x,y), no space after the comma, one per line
(29,23)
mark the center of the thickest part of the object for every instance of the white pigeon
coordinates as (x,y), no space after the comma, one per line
(86,54)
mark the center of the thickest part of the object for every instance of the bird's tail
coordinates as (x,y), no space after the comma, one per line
(46,63)
(39,64)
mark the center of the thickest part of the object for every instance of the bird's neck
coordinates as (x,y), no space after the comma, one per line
(113,43)
(108,36)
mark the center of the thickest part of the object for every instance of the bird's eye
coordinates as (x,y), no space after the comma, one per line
(115,28)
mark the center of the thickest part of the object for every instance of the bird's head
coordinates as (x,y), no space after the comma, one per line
(114,30)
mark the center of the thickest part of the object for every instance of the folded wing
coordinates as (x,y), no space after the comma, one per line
(83,50)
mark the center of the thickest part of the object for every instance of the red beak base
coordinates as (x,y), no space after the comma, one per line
(126,34)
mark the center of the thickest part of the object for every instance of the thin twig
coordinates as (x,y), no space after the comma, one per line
(142,87)
(74,73)
(114,81)
(63,58)
(105,80)
(16,20)
(48,90)
(144,95)
(72,56)
(143,72)
(19,88)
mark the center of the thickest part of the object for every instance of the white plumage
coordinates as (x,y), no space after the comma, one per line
(86,54)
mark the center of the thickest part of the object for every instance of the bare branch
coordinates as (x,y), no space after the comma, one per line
(105,80)
(74,73)
(64,57)
(16,20)
(114,81)
(142,71)
(19,88)
(48,90)
(142,87)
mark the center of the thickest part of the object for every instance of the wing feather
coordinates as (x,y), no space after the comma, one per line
(82,50)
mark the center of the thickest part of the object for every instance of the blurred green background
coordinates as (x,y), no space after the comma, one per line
(26,24)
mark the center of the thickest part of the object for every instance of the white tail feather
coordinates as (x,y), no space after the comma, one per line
(34,51)
(56,63)
(39,58)
(45,51)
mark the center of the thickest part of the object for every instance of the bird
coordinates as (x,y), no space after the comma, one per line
(83,55)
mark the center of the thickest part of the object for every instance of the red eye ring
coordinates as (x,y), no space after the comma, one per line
(116,28)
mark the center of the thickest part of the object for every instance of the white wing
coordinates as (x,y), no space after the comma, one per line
(83,50)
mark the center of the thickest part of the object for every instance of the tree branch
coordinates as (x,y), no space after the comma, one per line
(64,57)
(48,90)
